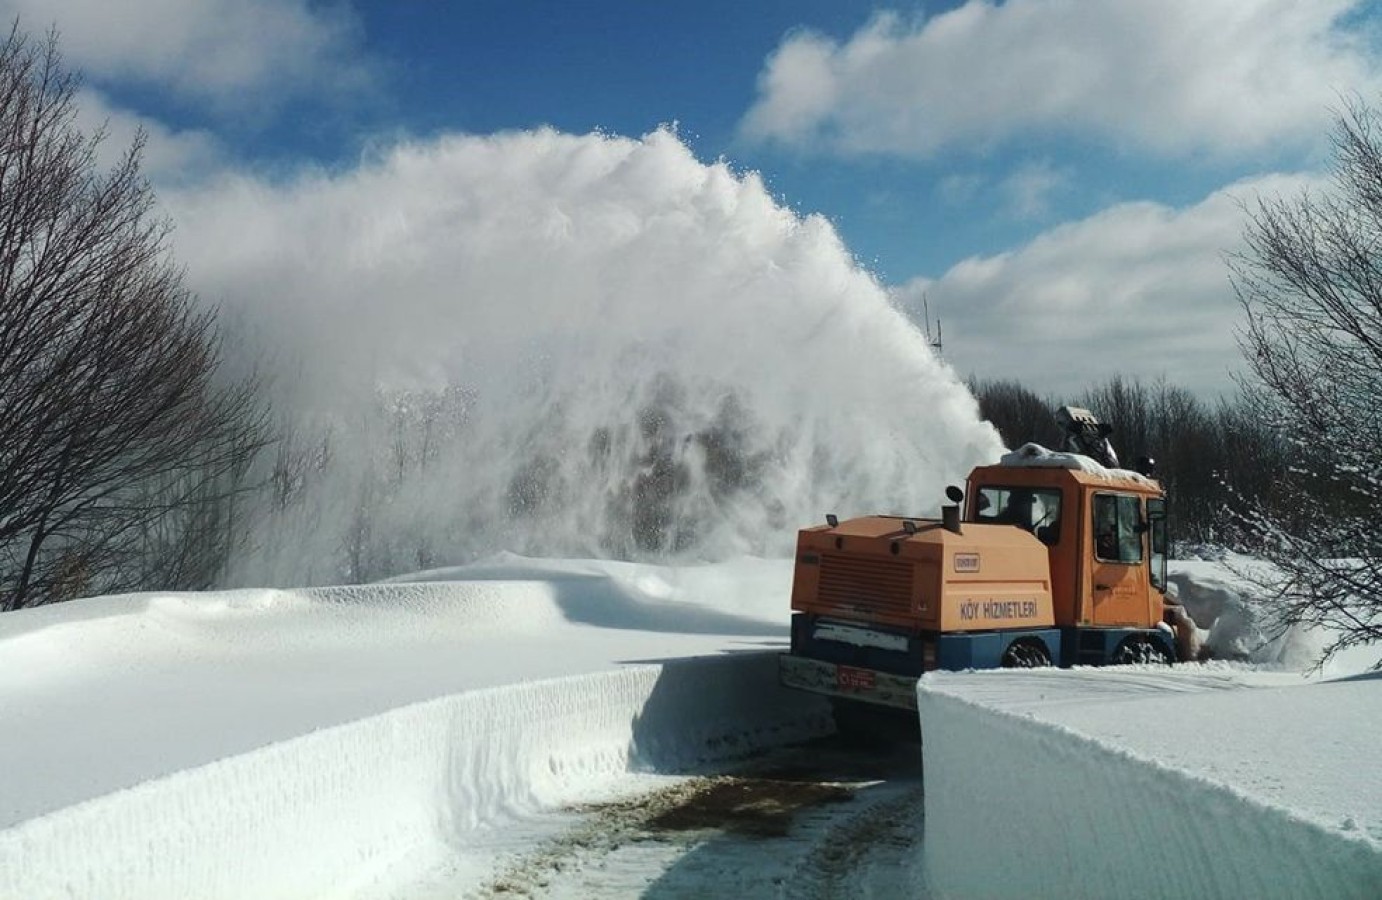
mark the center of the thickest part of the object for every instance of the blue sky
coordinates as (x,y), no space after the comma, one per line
(1061,173)
(627,68)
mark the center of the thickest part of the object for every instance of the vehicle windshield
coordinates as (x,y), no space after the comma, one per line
(1035,509)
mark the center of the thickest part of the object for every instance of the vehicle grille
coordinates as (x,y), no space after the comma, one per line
(866,584)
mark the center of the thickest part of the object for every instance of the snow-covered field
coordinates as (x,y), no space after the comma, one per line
(373,741)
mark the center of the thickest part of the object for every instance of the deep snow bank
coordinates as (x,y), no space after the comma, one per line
(1150,783)
(291,743)
(107,693)
(321,814)
(1233,615)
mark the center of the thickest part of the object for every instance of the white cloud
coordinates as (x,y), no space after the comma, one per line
(1024,193)
(1028,190)
(1139,289)
(233,52)
(1169,77)
(170,157)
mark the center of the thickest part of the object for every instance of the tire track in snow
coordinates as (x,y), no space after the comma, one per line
(877,854)
(799,821)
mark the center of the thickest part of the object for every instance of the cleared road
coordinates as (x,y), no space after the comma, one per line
(819,820)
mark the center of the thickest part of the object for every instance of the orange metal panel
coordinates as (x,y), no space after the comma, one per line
(870,569)
(866,569)
(1120,593)
(994,577)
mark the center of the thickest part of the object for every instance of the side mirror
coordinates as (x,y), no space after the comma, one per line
(954,494)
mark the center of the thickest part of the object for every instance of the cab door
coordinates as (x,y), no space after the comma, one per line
(1119,585)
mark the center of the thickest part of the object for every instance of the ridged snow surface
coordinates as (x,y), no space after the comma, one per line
(333,811)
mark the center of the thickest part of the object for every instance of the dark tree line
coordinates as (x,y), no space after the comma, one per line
(1206,454)
(122,449)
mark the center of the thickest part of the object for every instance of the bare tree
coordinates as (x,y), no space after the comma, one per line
(1188,444)
(1020,415)
(1310,283)
(119,440)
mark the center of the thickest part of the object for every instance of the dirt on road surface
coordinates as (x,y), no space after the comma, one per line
(818,820)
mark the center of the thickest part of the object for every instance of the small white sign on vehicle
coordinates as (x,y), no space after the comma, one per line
(859,637)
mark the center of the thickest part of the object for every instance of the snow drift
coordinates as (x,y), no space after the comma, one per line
(327,813)
(301,743)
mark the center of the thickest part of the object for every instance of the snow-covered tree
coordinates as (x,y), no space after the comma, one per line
(1310,283)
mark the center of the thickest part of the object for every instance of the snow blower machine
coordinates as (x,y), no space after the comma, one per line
(1059,558)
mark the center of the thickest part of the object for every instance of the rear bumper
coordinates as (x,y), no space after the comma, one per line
(849,682)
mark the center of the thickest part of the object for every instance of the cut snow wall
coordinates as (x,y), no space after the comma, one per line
(299,817)
(1017,807)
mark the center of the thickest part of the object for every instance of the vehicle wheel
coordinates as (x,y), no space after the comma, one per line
(1140,651)
(1027,653)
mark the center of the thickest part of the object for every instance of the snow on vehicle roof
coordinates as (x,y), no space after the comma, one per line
(1035,456)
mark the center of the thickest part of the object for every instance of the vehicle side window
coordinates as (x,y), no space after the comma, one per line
(1035,509)
(1117,528)
(1156,521)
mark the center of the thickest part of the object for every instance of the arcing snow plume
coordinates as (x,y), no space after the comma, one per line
(565,345)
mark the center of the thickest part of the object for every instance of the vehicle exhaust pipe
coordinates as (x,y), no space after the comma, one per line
(950,515)
(950,519)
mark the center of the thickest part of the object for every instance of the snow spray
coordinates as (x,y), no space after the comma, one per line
(564,345)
